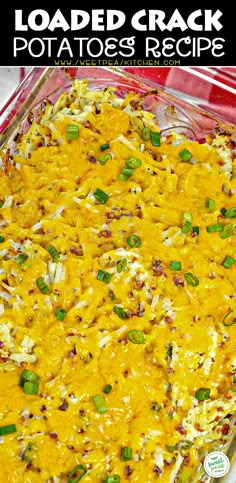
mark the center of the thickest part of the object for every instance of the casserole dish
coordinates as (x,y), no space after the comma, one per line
(183,132)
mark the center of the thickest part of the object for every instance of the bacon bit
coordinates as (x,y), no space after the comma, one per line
(221,163)
(104,233)
(18,137)
(135,104)
(53,435)
(198,427)
(1,344)
(126,373)
(4,359)
(70,446)
(123,341)
(64,406)
(157,268)
(169,370)
(227,395)
(168,319)
(81,431)
(86,452)
(72,353)
(157,470)
(178,281)
(196,318)
(42,209)
(128,472)
(82,413)
(89,125)
(76,251)
(181,429)
(221,345)
(230,144)
(217,418)
(30,118)
(92,159)
(43,408)
(111,215)
(225,429)
(186,461)
(130,295)
(138,284)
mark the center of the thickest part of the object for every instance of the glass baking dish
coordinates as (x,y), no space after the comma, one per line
(187,90)
(174,104)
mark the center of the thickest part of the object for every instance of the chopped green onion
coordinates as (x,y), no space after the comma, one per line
(25,456)
(156,138)
(210,204)
(121,265)
(185,155)
(103,159)
(133,241)
(107,389)
(228,262)
(136,337)
(146,133)
(184,444)
(133,162)
(53,252)
(1,204)
(30,387)
(156,406)
(187,217)
(191,279)
(8,429)
(202,394)
(231,213)
(43,287)
(175,265)
(226,316)
(100,196)
(21,258)
(127,172)
(196,230)
(60,314)
(28,376)
(105,146)
(223,211)
(100,404)
(78,468)
(126,453)
(2,239)
(169,351)
(72,131)
(103,276)
(186,227)
(227,231)
(122,177)
(112,479)
(120,312)
(214,228)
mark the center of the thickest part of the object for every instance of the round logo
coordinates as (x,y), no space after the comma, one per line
(216,464)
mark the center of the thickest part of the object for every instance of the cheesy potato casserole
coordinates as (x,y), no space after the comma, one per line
(117,296)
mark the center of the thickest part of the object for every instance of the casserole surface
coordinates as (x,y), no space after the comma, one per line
(132,260)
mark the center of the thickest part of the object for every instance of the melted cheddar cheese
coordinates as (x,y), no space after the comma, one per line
(48,198)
